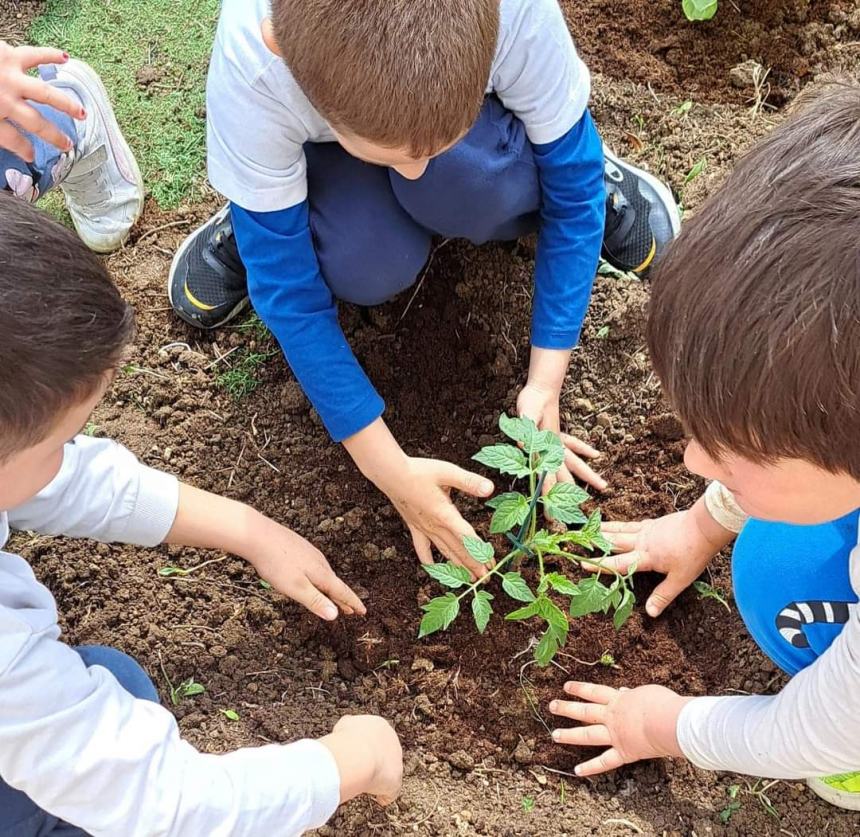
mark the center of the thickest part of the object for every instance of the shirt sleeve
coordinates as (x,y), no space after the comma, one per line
(289,293)
(86,751)
(811,728)
(573,207)
(102,492)
(723,507)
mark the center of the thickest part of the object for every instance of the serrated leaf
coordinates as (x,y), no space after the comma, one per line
(482,609)
(495,502)
(561,584)
(699,9)
(504,458)
(480,550)
(451,575)
(550,461)
(526,612)
(591,530)
(624,609)
(546,649)
(439,613)
(515,586)
(592,597)
(545,440)
(562,503)
(555,618)
(509,513)
(543,541)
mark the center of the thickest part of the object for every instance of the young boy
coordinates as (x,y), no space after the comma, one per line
(754,331)
(84,746)
(345,135)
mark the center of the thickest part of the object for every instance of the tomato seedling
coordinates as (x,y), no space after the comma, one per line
(515,516)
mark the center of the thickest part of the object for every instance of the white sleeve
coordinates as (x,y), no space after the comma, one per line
(723,507)
(811,728)
(537,73)
(83,749)
(102,492)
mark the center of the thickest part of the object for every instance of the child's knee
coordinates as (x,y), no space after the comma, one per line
(128,672)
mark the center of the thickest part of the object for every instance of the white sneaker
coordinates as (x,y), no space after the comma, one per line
(841,791)
(101,182)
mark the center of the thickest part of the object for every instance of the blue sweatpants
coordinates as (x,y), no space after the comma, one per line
(19,815)
(391,220)
(792,586)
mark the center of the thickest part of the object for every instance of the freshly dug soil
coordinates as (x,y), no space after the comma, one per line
(16,17)
(448,359)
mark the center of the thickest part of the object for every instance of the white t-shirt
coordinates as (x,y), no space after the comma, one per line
(258,118)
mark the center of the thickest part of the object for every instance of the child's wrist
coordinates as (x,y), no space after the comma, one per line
(356,773)
(715,534)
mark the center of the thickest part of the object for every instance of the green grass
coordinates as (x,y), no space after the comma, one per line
(152,56)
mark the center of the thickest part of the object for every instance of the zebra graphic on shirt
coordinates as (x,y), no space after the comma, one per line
(792,618)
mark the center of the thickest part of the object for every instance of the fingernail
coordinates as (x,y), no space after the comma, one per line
(330,613)
(577,770)
(553,706)
(651,609)
(83,113)
(65,56)
(556,734)
(486,487)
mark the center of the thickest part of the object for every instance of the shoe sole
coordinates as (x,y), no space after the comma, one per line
(838,798)
(237,309)
(661,190)
(85,74)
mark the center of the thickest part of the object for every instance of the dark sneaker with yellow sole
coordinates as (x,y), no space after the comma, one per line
(642,217)
(207,284)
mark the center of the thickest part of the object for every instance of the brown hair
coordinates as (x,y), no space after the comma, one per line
(398,73)
(63,324)
(754,326)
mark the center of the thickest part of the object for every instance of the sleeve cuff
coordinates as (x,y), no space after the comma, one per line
(321,768)
(343,426)
(723,507)
(154,510)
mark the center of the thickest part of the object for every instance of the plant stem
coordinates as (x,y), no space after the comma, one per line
(495,571)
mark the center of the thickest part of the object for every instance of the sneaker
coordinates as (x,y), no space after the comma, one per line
(842,790)
(207,284)
(642,217)
(101,183)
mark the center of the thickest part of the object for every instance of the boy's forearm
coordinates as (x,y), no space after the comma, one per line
(713,532)
(547,368)
(377,454)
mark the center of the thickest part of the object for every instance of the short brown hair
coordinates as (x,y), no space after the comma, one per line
(398,73)
(754,325)
(63,324)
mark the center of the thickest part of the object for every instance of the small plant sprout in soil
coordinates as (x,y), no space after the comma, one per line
(544,554)
(699,9)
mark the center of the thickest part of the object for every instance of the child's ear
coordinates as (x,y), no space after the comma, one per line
(269,37)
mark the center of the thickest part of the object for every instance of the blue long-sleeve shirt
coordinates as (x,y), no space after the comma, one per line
(289,293)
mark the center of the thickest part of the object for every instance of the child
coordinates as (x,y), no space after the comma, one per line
(84,746)
(473,117)
(754,331)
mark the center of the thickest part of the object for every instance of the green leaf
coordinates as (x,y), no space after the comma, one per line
(623,610)
(561,584)
(563,501)
(480,550)
(543,541)
(230,714)
(555,618)
(699,9)
(451,575)
(514,585)
(551,460)
(439,613)
(547,647)
(510,512)
(482,609)
(526,612)
(167,572)
(504,458)
(495,502)
(592,597)
(591,530)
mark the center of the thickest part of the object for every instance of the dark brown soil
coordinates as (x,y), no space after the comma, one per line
(470,710)
(16,17)
(652,43)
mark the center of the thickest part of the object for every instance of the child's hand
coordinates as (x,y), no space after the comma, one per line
(633,724)
(298,570)
(678,545)
(16,87)
(422,495)
(369,757)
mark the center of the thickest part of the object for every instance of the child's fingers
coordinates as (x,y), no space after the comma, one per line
(29,119)
(615,527)
(40,91)
(608,760)
(12,140)
(453,476)
(618,563)
(30,56)
(580,447)
(594,735)
(664,594)
(315,601)
(587,713)
(585,472)
(340,592)
(621,542)
(422,546)
(592,692)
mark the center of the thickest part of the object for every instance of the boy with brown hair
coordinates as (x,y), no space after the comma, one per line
(346,133)
(85,749)
(754,330)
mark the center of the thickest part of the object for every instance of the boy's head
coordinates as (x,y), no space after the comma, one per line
(754,326)
(399,81)
(63,329)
